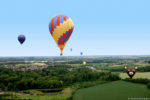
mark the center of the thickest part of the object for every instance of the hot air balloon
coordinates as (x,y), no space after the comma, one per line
(21,39)
(81,53)
(84,62)
(61,28)
(131,71)
(70,49)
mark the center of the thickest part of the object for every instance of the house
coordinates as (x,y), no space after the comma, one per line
(92,68)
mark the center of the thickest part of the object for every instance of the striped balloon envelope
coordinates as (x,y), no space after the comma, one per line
(61,28)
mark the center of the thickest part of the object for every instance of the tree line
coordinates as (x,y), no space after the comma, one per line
(49,78)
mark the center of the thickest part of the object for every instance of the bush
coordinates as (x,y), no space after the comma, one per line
(89,84)
(111,77)
(148,85)
(144,69)
(2,86)
(138,80)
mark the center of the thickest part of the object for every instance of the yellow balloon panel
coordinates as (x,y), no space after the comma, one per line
(61,28)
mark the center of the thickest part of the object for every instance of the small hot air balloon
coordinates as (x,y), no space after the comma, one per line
(84,62)
(70,49)
(81,53)
(61,28)
(21,39)
(131,71)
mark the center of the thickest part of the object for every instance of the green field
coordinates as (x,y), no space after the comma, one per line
(37,95)
(113,66)
(118,90)
(48,97)
(137,75)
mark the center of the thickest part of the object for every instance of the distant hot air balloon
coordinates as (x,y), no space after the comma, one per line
(61,28)
(84,62)
(70,49)
(81,53)
(21,39)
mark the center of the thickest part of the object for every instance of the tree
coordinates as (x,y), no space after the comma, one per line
(148,85)
(2,86)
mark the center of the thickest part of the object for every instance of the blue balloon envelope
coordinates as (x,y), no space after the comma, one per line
(21,39)
(81,53)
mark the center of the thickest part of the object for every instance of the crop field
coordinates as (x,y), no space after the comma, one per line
(118,90)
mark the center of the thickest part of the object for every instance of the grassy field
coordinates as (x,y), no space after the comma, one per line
(137,75)
(44,97)
(32,97)
(131,65)
(118,66)
(76,65)
(64,95)
(32,64)
(118,90)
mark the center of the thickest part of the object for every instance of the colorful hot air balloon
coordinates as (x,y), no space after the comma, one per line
(61,28)
(21,39)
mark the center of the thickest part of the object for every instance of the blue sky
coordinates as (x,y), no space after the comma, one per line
(102,27)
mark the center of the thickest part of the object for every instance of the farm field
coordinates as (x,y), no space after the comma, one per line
(137,75)
(118,90)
